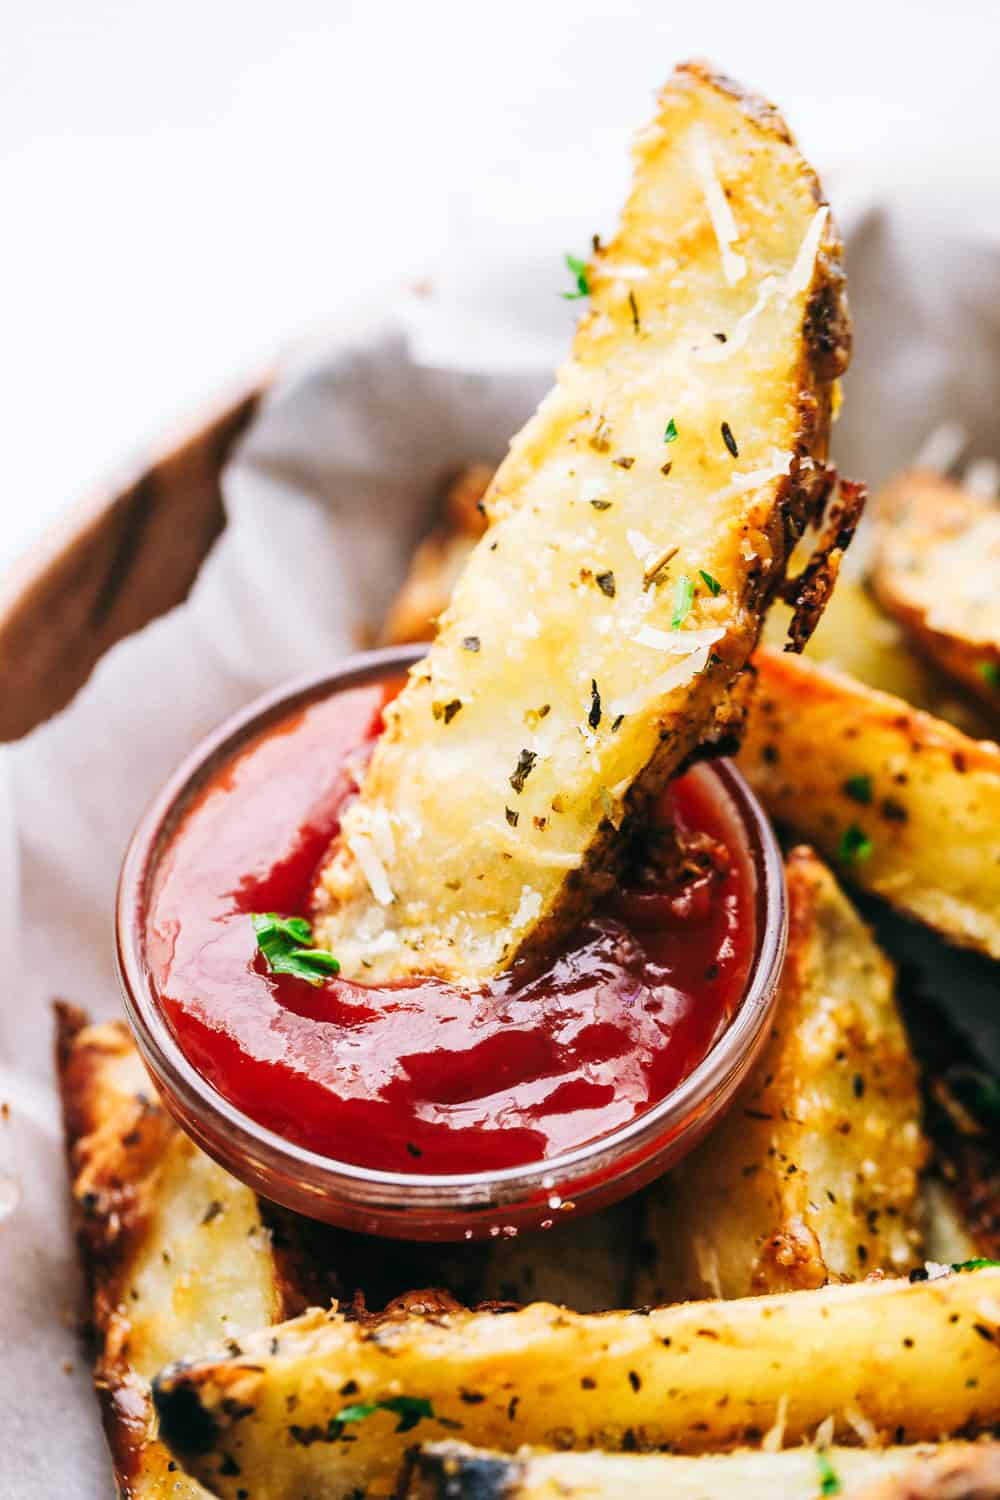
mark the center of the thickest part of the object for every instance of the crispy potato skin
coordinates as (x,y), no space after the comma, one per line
(818,742)
(945,1471)
(936,569)
(813,1174)
(915,1359)
(174,1251)
(468,895)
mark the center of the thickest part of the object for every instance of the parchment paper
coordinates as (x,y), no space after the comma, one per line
(325,498)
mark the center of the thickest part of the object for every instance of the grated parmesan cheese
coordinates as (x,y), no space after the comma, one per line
(734,267)
(363,849)
(682,672)
(677,642)
(801,273)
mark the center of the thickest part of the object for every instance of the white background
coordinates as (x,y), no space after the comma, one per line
(186,187)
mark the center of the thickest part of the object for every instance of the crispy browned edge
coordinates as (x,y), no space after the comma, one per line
(110,1218)
(451,1471)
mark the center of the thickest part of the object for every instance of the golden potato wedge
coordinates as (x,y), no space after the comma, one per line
(905,805)
(323,1406)
(936,569)
(812,1176)
(439,559)
(945,1471)
(175,1251)
(637,530)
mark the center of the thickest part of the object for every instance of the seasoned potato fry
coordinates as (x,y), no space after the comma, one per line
(946,1471)
(908,806)
(936,569)
(175,1252)
(812,1176)
(439,559)
(638,528)
(323,1406)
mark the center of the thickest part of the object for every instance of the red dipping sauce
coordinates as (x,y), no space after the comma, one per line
(421,1076)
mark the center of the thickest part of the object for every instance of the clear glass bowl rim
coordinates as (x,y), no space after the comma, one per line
(367,1189)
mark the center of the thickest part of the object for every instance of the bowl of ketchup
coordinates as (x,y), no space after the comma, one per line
(419,1109)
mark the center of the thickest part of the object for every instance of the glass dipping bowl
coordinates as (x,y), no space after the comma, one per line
(468,1205)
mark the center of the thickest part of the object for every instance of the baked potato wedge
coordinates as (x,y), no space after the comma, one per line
(175,1251)
(813,1174)
(935,568)
(637,531)
(322,1407)
(906,806)
(945,1471)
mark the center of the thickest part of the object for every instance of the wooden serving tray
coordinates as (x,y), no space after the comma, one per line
(111,565)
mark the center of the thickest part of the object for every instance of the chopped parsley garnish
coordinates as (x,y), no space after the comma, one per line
(409,1409)
(633,304)
(521,772)
(989,671)
(577,268)
(512,816)
(287,947)
(729,440)
(855,845)
(470,643)
(670,433)
(715,660)
(606,583)
(683,599)
(712,584)
(446,711)
(594,717)
(601,504)
(978,1263)
(829,1479)
(616,724)
(859,788)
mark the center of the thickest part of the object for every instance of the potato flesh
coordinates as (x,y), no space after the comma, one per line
(576,648)
(889,1356)
(840,763)
(813,1174)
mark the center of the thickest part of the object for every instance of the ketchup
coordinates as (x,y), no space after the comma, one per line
(423,1076)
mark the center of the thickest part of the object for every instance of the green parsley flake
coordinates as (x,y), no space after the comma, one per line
(683,599)
(829,1479)
(578,268)
(287,947)
(978,1263)
(712,584)
(671,434)
(409,1409)
(859,788)
(989,671)
(855,845)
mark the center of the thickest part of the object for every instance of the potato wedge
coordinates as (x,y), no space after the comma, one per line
(323,1406)
(936,569)
(950,1471)
(175,1251)
(907,806)
(439,559)
(638,528)
(812,1176)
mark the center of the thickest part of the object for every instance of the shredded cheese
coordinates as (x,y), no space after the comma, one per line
(363,849)
(678,675)
(734,267)
(715,353)
(801,273)
(677,642)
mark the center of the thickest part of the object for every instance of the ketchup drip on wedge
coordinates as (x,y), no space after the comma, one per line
(421,1076)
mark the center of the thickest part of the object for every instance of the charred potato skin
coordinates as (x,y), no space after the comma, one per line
(950,613)
(910,1359)
(827,755)
(703,712)
(784,1194)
